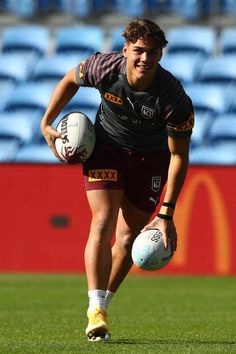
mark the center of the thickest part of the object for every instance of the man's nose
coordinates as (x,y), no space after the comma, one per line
(144,56)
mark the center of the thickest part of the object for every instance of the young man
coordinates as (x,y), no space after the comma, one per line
(143,130)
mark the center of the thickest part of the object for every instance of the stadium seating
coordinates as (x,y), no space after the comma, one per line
(219,70)
(23,8)
(15,68)
(25,39)
(189,9)
(81,8)
(191,39)
(33,58)
(53,68)
(222,154)
(202,124)
(18,126)
(184,67)
(6,88)
(232,103)
(208,97)
(86,100)
(116,39)
(227,40)
(35,153)
(131,8)
(84,40)
(29,97)
(223,129)
(228,7)
(8,149)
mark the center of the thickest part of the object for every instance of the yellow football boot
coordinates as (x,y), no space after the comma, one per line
(97,328)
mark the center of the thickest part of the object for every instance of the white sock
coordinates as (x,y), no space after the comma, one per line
(97,298)
(109,296)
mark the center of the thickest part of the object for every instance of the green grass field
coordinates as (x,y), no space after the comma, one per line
(46,314)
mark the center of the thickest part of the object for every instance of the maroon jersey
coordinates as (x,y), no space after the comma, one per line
(140,121)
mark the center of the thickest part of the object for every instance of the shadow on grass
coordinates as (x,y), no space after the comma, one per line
(176,342)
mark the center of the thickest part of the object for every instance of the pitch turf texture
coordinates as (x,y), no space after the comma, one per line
(46,314)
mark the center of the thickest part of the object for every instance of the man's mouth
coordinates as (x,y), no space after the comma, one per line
(143,68)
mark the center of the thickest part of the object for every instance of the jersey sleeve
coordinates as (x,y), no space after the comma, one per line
(94,69)
(84,74)
(179,112)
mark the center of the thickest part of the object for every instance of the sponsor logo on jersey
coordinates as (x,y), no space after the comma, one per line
(147,112)
(112,98)
(185,126)
(102,175)
(81,66)
(156,183)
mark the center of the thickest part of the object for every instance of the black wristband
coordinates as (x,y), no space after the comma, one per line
(170,205)
(164,216)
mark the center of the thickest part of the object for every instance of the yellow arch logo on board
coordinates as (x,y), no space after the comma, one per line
(221,247)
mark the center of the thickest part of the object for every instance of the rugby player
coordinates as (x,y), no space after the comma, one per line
(143,128)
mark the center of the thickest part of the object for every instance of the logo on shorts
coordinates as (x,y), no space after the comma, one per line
(147,112)
(113,98)
(102,175)
(156,183)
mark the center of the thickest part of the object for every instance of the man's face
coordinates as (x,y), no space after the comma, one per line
(142,59)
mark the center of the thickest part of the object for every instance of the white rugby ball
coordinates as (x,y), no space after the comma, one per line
(78,138)
(148,250)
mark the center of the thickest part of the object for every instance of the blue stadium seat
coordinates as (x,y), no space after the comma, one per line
(116,39)
(184,67)
(232,101)
(86,100)
(53,68)
(223,129)
(23,8)
(228,7)
(35,153)
(25,39)
(84,8)
(15,68)
(227,40)
(208,97)
(202,124)
(156,6)
(6,88)
(222,154)
(8,149)
(189,9)
(84,39)
(191,39)
(219,70)
(29,97)
(131,8)
(18,126)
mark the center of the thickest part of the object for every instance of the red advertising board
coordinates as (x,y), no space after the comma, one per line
(45,220)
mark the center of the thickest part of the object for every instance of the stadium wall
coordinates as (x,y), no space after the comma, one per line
(45,221)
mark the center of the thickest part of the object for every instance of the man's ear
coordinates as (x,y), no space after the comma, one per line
(125,50)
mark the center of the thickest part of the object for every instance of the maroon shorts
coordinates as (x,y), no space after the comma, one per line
(142,176)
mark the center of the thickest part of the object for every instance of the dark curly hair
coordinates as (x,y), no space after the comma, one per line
(145,29)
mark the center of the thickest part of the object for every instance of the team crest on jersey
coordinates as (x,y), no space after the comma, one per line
(102,175)
(187,125)
(156,183)
(81,66)
(112,98)
(147,112)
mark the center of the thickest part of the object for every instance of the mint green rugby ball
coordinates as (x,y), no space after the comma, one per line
(148,252)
